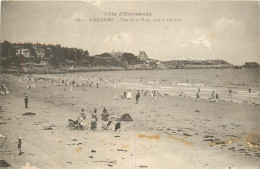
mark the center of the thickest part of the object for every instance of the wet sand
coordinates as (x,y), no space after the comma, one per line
(169,132)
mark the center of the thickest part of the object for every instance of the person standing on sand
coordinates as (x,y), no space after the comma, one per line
(81,123)
(154,95)
(230,91)
(124,94)
(197,96)
(94,120)
(212,95)
(26,101)
(19,145)
(137,97)
(217,97)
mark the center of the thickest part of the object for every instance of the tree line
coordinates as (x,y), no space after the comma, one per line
(56,56)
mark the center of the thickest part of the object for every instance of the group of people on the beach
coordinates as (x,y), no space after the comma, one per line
(81,120)
(214,97)
(128,95)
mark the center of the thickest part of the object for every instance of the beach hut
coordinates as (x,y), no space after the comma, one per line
(129,95)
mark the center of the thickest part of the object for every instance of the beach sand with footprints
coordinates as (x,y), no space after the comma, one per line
(169,132)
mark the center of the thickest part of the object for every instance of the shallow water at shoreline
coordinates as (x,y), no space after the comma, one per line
(187,81)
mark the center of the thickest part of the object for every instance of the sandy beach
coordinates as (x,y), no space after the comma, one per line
(166,133)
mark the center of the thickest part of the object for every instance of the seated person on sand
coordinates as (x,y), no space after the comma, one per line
(82,114)
(81,123)
(212,98)
(104,117)
(2,92)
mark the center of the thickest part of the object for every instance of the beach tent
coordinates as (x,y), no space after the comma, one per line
(126,117)
(2,140)
(129,95)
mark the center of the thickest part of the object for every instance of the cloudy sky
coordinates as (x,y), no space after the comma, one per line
(205,30)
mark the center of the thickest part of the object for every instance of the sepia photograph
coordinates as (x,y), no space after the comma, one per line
(98,84)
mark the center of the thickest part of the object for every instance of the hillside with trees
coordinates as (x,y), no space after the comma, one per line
(48,58)
(57,57)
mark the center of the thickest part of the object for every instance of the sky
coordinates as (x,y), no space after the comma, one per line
(203,30)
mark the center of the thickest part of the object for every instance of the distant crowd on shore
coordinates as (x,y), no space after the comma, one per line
(94,82)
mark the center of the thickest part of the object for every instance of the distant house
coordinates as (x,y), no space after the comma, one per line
(142,55)
(24,52)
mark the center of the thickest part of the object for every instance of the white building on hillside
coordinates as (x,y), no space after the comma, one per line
(24,52)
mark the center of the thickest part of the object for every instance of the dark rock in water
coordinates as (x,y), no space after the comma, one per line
(3,163)
(142,166)
(90,156)
(29,114)
(126,117)
(93,151)
(197,111)
(110,165)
